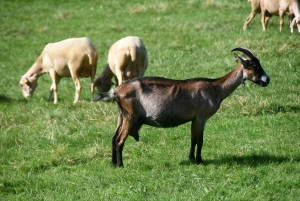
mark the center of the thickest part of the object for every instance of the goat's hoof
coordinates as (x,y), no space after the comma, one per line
(113,164)
(199,162)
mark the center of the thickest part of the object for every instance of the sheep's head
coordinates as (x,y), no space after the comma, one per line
(296,21)
(28,86)
(103,85)
(252,68)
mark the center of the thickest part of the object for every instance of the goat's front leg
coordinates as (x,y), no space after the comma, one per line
(197,129)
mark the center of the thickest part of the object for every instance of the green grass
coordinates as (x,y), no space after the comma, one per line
(62,152)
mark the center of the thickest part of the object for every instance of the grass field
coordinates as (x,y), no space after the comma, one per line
(62,152)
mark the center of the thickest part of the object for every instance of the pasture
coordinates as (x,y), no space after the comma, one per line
(63,151)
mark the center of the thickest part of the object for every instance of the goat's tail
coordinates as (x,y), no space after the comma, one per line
(106,96)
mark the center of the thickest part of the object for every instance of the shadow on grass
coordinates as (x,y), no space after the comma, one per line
(275,109)
(5,99)
(250,160)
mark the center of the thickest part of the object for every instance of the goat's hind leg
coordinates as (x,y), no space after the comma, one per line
(124,131)
(114,142)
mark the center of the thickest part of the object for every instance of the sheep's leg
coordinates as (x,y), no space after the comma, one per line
(92,90)
(263,17)
(92,83)
(120,65)
(291,24)
(248,20)
(281,20)
(53,89)
(93,73)
(77,86)
(119,75)
(197,129)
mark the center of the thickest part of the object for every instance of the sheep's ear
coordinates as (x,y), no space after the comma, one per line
(25,81)
(239,59)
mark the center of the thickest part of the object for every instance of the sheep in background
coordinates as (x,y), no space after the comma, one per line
(275,7)
(255,8)
(127,58)
(74,57)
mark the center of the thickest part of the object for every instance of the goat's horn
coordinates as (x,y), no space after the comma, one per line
(245,51)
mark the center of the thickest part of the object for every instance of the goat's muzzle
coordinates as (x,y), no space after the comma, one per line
(264,81)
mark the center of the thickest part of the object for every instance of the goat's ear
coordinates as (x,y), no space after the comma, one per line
(240,59)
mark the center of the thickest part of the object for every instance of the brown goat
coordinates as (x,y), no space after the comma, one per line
(162,102)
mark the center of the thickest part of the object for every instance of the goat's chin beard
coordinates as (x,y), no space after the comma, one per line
(263,84)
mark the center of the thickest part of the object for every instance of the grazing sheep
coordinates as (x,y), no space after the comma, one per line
(275,7)
(74,57)
(255,8)
(127,58)
(162,102)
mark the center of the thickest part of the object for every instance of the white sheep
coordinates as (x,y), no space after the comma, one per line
(74,57)
(127,58)
(275,7)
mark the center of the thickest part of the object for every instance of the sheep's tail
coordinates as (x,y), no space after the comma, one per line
(132,51)
(106,96)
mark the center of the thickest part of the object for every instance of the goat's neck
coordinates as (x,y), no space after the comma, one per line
(228,83)
(107,74)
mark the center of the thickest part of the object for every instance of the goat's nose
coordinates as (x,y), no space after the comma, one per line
(265,78)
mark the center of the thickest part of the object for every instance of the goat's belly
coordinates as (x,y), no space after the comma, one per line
(164,122)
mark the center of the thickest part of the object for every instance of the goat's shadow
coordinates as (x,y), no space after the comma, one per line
(253,160)
(274,109)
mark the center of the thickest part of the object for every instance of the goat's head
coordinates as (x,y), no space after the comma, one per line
(252,69)
(28,86)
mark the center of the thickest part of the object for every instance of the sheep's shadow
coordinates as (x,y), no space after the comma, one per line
(253,160)
(5,99)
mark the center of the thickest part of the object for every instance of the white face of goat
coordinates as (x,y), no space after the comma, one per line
(27,87)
